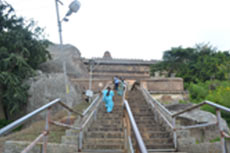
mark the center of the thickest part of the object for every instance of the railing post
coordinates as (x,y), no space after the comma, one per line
(218,115)
(45,139)
(137,149)
(80,141)
(125,134)
(95,115)
(174,132)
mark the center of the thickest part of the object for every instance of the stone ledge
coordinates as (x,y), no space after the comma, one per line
(168,92)
(18,146)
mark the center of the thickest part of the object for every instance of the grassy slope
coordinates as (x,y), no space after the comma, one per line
(35,129)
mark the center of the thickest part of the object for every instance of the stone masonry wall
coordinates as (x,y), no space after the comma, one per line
(125,71)
(159,85)
(97,84)
(163,84)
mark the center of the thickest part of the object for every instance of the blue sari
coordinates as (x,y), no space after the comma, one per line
(120,89)
(108,100)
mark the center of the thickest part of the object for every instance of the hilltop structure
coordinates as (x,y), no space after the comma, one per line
(108,67)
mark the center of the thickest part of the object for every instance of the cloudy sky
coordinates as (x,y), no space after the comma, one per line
(139,29)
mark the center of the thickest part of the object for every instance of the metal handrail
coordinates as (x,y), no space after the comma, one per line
(159,107)
(136,131)
(45,133)
(158,103)
(206,102)
(93,113)
(140,142)
(25,118)
(91,105)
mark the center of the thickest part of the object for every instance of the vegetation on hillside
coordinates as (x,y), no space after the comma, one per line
(22,49)
(198,64)
(206,73)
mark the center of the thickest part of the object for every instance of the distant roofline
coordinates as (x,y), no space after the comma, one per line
(118,61)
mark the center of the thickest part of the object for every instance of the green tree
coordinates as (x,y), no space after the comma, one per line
(22,49)
(196,64)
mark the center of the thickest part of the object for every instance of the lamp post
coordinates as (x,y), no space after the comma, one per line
(91,63)
(89,92)
(58,20)
(73,8)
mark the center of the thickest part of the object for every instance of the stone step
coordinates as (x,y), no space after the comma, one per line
(158,141)
(148,125)
(113,112)
(102,140)
(102,146)
(98,125)
(164,152)
(114,107)
(151,129)
(159,146)
(137,109)
(109,122)
(99,134)
(109,118)
(103,150)
(145,122)
(71,132)
(143,115)
(145,118)
(112,128)
(110,115)
(157,134)
(146,113)
(171,150)
(73,140)
(140,106)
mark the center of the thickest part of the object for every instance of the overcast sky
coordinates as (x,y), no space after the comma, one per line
(140,29)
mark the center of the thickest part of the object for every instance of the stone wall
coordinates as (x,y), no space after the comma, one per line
(18,146)
(169,98)
(157,85)
(97,84)
(189,146)
(163,84)
(125,71)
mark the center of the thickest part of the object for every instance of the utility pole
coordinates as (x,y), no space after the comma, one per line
(59,22)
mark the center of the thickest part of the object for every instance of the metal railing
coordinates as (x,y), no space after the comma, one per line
(130,124)
(27,117)
(170,118)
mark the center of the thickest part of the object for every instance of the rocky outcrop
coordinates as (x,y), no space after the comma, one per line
(47,87)
(49,84)
(67,54)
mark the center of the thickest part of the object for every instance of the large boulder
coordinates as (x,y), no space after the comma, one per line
(67,54)
(47,87)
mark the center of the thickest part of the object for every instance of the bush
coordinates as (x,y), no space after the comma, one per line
(215,91)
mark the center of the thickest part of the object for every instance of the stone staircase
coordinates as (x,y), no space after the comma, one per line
(156,137)
(106,132)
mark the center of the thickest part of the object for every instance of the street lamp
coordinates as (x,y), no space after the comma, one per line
(89,92)
(73,8)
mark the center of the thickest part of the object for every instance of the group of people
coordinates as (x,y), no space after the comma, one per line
(108,94)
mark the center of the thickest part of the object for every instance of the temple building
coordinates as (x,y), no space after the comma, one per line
(108,67)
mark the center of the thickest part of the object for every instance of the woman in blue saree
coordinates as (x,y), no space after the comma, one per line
(121,88)
(108,95)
